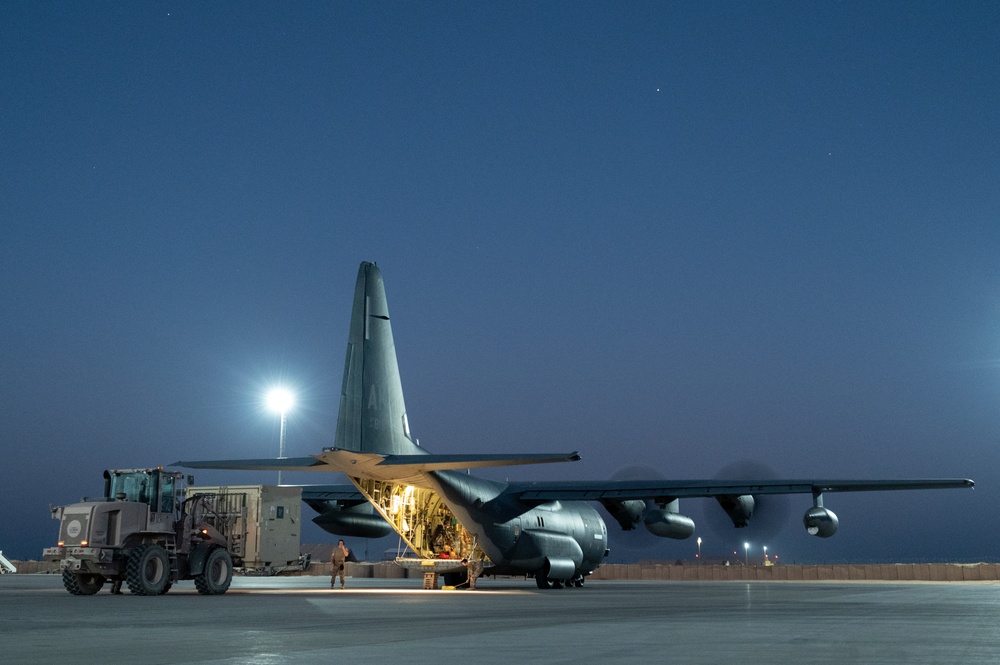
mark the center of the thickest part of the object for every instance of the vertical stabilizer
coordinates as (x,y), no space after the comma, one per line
(372,415)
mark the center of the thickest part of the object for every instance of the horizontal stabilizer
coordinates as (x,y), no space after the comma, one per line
(276,464)
(410,468)
(443,462)
(673,489)
(398,468)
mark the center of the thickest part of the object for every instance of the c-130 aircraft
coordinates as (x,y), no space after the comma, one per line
(547,530)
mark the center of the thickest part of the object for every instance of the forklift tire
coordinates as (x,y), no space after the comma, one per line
(148,570)
(82,584)
(217,575)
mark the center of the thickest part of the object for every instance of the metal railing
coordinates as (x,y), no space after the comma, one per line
(5,565)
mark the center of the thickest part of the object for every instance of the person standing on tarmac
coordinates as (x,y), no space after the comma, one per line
(337,563)
(473,568)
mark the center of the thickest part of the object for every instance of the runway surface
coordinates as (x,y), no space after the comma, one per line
(265,621)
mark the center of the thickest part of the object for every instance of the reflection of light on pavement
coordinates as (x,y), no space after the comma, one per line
(321,593)
(383,591)
(319,587)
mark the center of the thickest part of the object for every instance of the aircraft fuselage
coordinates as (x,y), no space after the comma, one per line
(563,540)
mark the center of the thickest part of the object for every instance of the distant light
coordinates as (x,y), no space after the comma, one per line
(280,400)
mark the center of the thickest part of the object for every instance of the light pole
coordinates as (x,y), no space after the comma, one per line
(280,400)
(699,549)
(746,554)
(765,553)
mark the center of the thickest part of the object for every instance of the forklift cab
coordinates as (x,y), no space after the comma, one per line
(154,487)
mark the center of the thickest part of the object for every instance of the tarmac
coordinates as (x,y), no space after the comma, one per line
(265,621)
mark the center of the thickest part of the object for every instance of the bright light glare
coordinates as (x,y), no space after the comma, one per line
(280,400)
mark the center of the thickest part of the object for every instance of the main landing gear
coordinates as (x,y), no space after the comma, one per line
(545,583)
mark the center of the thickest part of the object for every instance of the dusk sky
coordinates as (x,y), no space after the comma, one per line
(672,235)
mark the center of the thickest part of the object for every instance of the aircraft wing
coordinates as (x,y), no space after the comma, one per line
(674,489)
(322,497)
(344,511)
(345,494)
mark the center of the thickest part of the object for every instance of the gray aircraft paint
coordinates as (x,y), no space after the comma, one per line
(372,417)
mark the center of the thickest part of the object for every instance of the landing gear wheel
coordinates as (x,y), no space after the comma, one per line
(217,575)
(148,570)
(556,584)
(542,582)
(579,581)
(82,584)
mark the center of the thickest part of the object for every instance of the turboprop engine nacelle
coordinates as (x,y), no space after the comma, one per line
(668,523)
(739,507)
(820,522)
(627,513)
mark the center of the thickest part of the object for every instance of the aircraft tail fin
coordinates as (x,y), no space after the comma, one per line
(372,416)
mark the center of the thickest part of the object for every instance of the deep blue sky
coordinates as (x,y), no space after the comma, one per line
(668,234)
